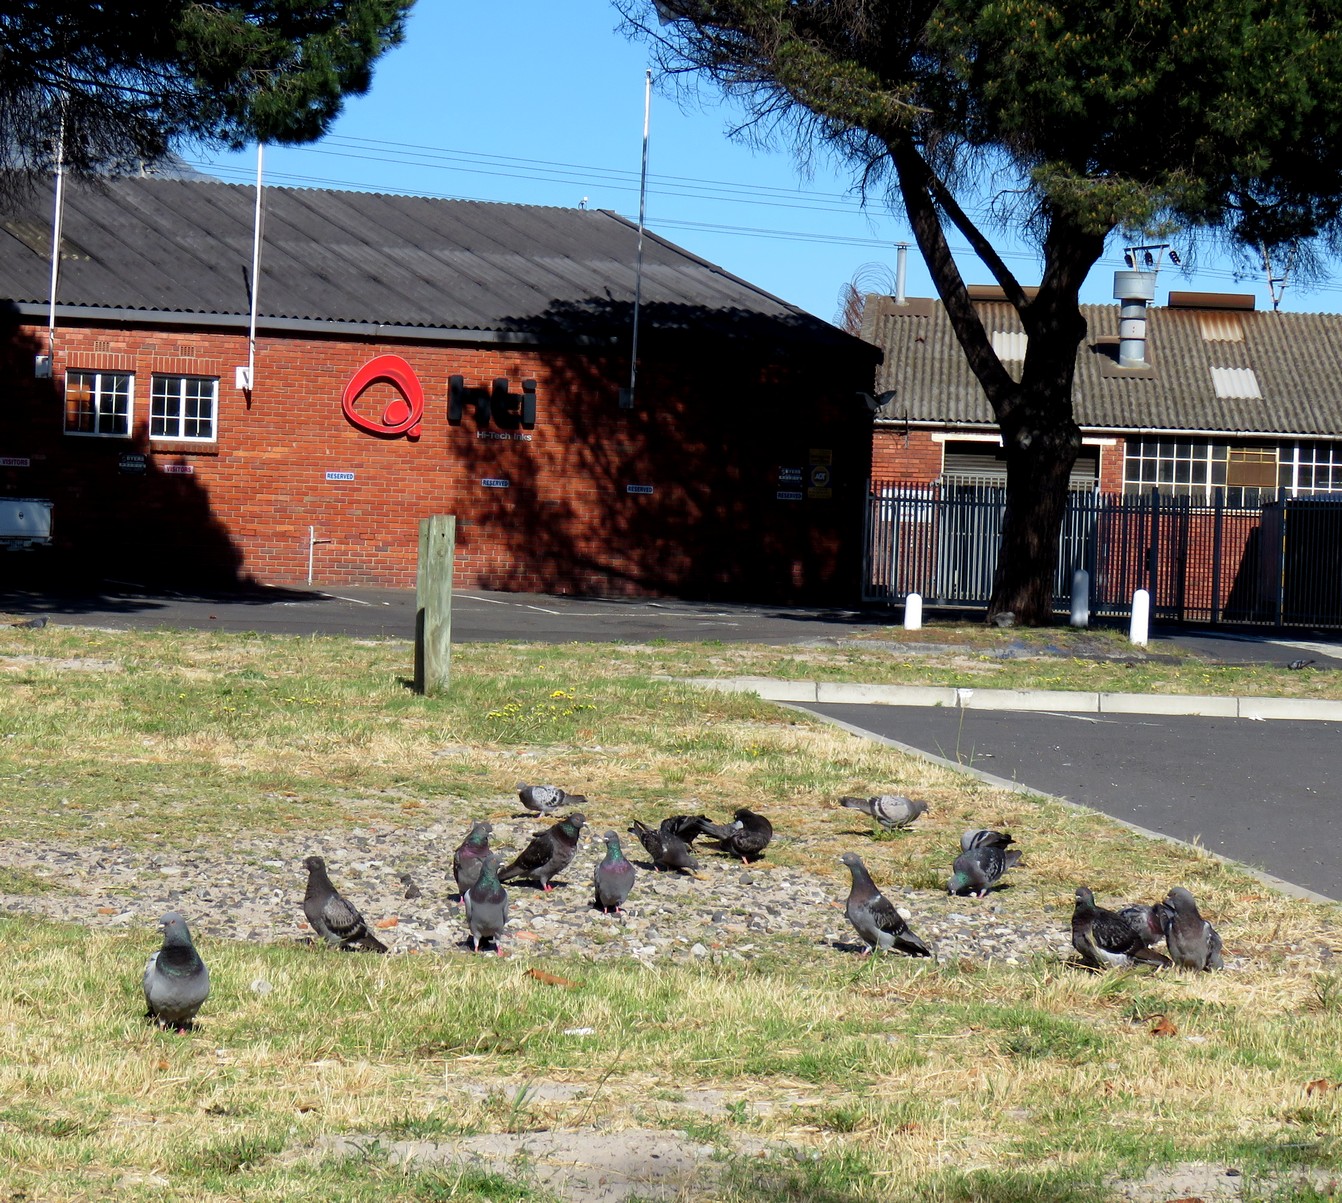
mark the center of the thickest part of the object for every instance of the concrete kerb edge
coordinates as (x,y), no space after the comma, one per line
(1289,888)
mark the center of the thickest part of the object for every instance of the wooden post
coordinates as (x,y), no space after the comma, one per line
(433,603)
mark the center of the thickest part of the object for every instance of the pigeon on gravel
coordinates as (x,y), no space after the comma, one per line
(978,869)
(690,827)
(486,905)
(334,918)
(984,837)
(1103,939)
(749,836)
(548,854)
(874,917)
(891,811)
(1192,941)
(546,799)
(613,877)
(1147,921)
(470,855)
(176,981)
(667,850)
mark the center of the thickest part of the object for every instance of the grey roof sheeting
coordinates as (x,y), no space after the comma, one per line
(1295,359)
(172,247)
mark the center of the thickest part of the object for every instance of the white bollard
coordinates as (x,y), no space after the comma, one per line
(913,612)
(1080,598)
(1141,617)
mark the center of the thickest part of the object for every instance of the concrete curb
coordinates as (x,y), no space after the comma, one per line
(1048,700)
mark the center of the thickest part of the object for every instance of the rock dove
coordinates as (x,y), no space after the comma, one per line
(667,850)
(874,917)
(468,857)
(546,799)
(689,827)
(486,904)
(749,836)
(1105,940)
(984,837)
(36,624)
(548,854)
(176,981)
(613,878)
(891,811)
(1147,921)
(1297,665)
(1192,941)
(333,918)
(976,870)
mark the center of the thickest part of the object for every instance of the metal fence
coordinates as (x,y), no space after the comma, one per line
(1279,564)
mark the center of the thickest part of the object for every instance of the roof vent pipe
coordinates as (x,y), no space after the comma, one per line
(901,266)
(1133,290)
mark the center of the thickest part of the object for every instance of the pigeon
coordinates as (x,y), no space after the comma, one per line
(1297,665)
(891,811)
(1147,921)
(333,918)
(689,827)
(36,624)
(546,799)
(976,870)
(667,850)
(874,916)
(614,877)
(486,904)
(749,835)
(176,981)
(548,854)
(469,856)
(1192,941)
(984,837)
(1105,940)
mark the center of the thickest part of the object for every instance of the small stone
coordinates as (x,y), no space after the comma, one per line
(699,951)
(259,985)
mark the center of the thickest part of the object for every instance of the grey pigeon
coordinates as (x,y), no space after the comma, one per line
(891,811)
(1103,939)
(690,827)
(486,905)
(978,869)
(749,835)
(983,837)
(548,854)
(1297,665)
(614,877)
(874,917)
(1147,921)
(334,918)
(470,855)
(546,799)
(176,981)
(667,850)
(1192,941)
(36,624)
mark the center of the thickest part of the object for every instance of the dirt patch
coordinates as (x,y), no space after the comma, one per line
(1214,1184)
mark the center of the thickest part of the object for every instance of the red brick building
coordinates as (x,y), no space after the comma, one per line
(499,341)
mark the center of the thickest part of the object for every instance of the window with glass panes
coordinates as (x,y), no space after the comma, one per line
(98,403)
(183,407)
(1311,468)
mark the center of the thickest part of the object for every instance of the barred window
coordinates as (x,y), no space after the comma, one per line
(99,403)
(183,407)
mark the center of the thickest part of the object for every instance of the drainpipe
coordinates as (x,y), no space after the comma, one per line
(1133,290)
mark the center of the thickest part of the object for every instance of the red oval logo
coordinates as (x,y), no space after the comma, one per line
(403,414)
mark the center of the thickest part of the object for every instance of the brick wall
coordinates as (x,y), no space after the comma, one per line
(713,426)
(907,456)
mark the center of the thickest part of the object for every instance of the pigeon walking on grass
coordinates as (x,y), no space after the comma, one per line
(891,811)
(546,799)
(176,981)
(334,918)
(613,877)
(549,853)
(486,903)
(978,869)
(470,855)
(984,837)
(1103,939)
(874,917)
(1192,941)
(666,850)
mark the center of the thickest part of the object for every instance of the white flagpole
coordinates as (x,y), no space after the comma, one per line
(256,272)
(627,402)
(57,222)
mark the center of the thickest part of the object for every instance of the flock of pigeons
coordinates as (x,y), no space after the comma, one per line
(177,982)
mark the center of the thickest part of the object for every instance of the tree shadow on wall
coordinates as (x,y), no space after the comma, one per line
(704,487)
(118,511)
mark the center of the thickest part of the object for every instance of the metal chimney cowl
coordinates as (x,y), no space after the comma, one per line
(1133,290)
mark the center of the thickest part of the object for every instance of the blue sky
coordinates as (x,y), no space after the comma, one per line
(541,102)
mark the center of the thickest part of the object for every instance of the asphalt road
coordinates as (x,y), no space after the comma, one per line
(1265,793)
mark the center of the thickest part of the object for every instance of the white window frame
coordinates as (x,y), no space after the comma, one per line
(103,390)
(180,399)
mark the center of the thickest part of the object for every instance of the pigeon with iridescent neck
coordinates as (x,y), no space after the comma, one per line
(978,869)
(874,916)
(176,981)
(613,877)
(470,855)
(548,854)
(1192,941)
(486,903)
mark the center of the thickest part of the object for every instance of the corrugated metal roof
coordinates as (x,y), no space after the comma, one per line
(169,246)
(1295,359)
